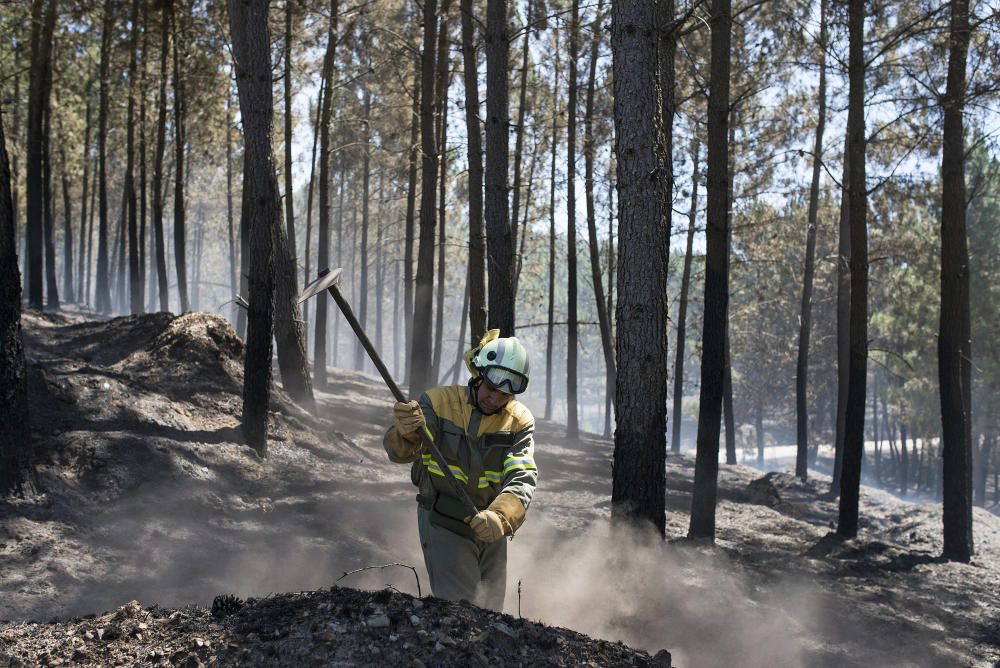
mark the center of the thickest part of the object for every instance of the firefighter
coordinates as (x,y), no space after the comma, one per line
(486,438)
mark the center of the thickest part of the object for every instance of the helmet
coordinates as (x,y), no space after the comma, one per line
(503,362)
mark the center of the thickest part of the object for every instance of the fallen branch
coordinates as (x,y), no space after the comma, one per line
(368,568)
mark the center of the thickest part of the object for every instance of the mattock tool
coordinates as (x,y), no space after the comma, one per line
(329,280)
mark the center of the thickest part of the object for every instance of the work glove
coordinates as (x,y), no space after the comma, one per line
(408,419)
(487,524)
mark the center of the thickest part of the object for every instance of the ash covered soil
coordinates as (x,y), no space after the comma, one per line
(161,539)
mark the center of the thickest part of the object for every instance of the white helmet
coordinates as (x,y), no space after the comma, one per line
(503,362)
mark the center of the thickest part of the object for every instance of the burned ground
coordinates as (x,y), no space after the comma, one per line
(150,495)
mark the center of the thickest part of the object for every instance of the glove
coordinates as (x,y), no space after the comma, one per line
(408,419)
(487,524)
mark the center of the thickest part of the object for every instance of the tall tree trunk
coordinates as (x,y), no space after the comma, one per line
(459,366)
(954,332)
(67,224)
(366,175)
(309,200)
(443,79)
(843,318)
(51,282)
(261,204)
(160,251)
(16,473)
(143,213)
(727,368)
(982,469)
(84,298)
(88,275)
(638,474)
(572,325)
(379,267)
(499,242)
(716,279)
(33,231)
(420,351)
(682,306)
(854,427)
(411,206)
(903,472)
(234,281)
(609,390)
(323,236)
(340,250)
(43,25)
(289,183)
(289,330)
(554,145)
(805,308)
(135,287)
(180,113)
(519,132)
(589,151)
(473,131)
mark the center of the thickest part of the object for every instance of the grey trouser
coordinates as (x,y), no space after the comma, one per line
(463,569)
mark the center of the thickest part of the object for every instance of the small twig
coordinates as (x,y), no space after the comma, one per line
(519,598)
(368,568)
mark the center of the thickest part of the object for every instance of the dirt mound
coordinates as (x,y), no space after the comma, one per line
(340,627)
(195,351)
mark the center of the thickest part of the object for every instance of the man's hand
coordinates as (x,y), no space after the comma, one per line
(487,524)
(408,419)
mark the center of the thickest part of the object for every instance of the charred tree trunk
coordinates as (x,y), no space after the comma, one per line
(289,330)
(805,308)
(519,132)
(234,281)
(675,436)
(716,279)
(39,83)
(143,213)
(180,113)
(160,251)
(84,244)
(550,326)
(478,310)
(954,333)
(442,141)
(362,276)
(411,200)
(309,202)
(638,474)
(572,325)
(17,475)
(289,183)
(261,205)
(102,297)
(67,224)
(589,150)
(843,318)
(499,240)
(420,351)
(129,197)
(323,236)
(51,282)
(854,427)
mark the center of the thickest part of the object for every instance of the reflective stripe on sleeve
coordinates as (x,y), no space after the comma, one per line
(518,464)
(495,477)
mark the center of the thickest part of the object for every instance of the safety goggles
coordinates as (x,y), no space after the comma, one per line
(505,380)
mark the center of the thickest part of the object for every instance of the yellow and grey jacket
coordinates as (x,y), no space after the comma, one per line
(491,455)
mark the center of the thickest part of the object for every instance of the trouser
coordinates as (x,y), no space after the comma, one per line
(461,568)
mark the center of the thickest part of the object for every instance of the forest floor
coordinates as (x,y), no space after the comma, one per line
(152,509)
